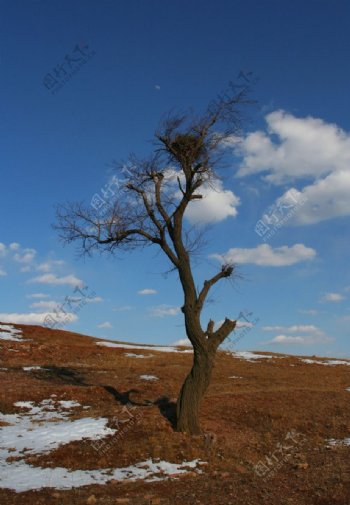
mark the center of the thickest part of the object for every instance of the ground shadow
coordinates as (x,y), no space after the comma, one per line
(168,409)
(124,398)
(61,374)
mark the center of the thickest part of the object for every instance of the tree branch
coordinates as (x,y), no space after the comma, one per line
(226,271)
(217,337)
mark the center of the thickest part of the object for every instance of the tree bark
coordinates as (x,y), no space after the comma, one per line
(193,390)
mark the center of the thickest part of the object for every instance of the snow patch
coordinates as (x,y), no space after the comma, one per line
(329,362)
(9,332)
(148,377)
(69,404)
(333,441)
(45,427)
(145,347)
(250,356)
(29,368)
(133,355)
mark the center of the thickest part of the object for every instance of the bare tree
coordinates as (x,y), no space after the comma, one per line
(150,210)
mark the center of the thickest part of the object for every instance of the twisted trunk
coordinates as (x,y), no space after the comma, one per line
(193,390)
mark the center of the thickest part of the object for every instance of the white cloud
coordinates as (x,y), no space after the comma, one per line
(297,328)
(309,312)
(69,280)
(14,246)
(305,148)
(283,339)
(2,249)
(45,304)
(311,334)
(216,205)
(324,199)
(47,266)
(25,256)
(26,268)
(122,308)
(265,255)
(106,324)
(165,310)
(2,273)
(147,291)
(297,339)
(240,324)
(38,295)
(38,318)
(333,297)
(96,299)
(184,342)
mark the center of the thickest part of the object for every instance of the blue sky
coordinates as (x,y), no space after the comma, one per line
(130,63)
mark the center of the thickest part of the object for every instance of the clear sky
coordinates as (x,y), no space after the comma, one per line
(128,63)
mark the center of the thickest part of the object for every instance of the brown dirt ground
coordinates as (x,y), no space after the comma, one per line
(245,420)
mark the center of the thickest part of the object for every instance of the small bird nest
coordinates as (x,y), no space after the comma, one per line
(187,146)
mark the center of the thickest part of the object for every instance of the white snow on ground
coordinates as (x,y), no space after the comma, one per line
(329,362)
(348,389)
(68,404)
(333,441)
(29,368)
(235,377)
(250,356)
(133,355)
(148,377)
(44,427)
(9,332)
(145,347)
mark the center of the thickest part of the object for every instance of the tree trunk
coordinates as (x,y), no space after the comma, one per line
(193,390)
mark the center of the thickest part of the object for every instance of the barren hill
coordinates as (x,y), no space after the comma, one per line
(85,421)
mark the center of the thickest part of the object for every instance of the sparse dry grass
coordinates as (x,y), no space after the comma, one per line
(248,419)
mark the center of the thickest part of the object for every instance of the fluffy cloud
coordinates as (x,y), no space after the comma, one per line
(265,255)
(165,310)
(122,308)
(324,199)
(38,295)
(25,256)
(2,249)
(310,334)
(304,340)
(216,205)
(283,339)
(69,280)
(95,299)
(309,312)
(47,266)
(333,297)
(45,304)
(305,148)
(184,342)
(147,291)
(297,328)
(105,325)
(38,318)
